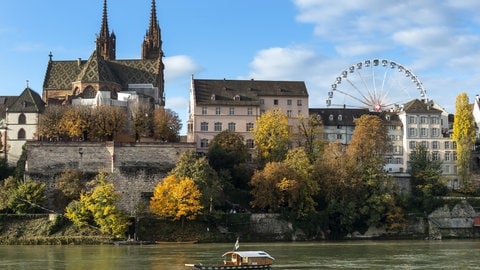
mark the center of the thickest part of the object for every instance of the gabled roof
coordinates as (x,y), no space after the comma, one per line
(248,92)
(418,106)
(28,102)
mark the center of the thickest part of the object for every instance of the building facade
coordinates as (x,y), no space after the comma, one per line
(235,105)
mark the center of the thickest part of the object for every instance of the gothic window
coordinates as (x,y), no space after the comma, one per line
(21,134)
(22,119)
(89,92)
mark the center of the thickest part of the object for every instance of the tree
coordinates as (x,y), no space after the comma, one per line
(271,135)
(176,198)
(141,119)
(191,165)
(464,136)
(68,187)
(26,197)
(310,131)
(98,207)
(49,122)
(426,179)
(108,121)
(166,125)
(75,122)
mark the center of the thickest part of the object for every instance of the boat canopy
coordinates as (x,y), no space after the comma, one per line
(249,254)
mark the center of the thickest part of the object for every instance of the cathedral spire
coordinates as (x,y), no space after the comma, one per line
(152,44)
(105,40)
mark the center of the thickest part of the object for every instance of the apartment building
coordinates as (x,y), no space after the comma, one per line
(235,105)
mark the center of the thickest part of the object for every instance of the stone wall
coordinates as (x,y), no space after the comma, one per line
(136,167)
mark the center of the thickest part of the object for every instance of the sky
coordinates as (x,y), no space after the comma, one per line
(301,40)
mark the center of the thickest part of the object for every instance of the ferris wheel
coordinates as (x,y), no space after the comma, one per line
(377,85)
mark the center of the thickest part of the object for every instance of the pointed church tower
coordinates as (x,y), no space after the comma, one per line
(105,40)
(152,44)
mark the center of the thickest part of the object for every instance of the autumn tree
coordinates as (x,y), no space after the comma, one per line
(310,132)
(271,135)
(98,207)
(108,121)
(166,125)
(76,122)
(176,198)
(426,180)
(68,187)
(141,114)
(191,165)
(49,122)
(464,136)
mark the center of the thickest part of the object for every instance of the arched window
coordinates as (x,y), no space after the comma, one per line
(22,120)
(89,92)
(21,134)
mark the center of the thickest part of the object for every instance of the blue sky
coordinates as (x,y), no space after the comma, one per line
(305,40)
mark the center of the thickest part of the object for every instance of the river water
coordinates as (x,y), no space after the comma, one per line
(445,254)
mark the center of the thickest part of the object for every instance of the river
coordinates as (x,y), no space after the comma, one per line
(445,254)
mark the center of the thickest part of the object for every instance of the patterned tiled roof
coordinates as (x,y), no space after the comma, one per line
(28,102)
(210,92)
(61,74)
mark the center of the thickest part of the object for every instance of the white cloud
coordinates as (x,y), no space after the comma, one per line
(179,66)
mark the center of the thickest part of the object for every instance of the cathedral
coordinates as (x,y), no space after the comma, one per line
(105,80)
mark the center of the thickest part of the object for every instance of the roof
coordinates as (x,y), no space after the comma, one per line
(346,117)
(28,102)
(418,106)
(61,74)
(250,254)
(5,102)
(248,92)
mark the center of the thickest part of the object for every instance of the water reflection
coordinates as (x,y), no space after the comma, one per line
(453,254)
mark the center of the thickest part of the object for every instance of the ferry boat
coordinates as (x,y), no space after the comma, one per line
(240,260)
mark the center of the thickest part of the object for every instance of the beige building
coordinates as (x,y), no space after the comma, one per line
(217,105)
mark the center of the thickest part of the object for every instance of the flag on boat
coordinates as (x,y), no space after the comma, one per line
(237,244)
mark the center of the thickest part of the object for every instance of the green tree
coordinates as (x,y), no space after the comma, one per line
(426,179)
(464,136)
(26,197)
(98,207)
(166,125)
(176,198)
(7,187)
(271,135)
(191,165)
(68,187)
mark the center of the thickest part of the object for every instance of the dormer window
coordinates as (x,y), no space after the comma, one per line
(236,98)
(339,117)
(212,97)
(330,117)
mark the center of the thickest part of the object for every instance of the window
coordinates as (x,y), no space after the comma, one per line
(236,98)
(250,144)
(289,113)
(249,127)
(89,92)
(275,102)
(435,145)
(425,144)
(218,126)
(435,155)
(447,156)
(413,144)
(22,119)
(423,120)
(204,110)
(289,102)
(454,145)
(231,111)
(411,132)
(330,117)
(218,111)
(412,120)
(204,126)
(299,102)
(435,132)
(447,145)
(262,101)
(424,132)
(231,126)
(339,117)
(21,134)
(203,143)
(434,120)
(339,136)
(262,112)
(249,111)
